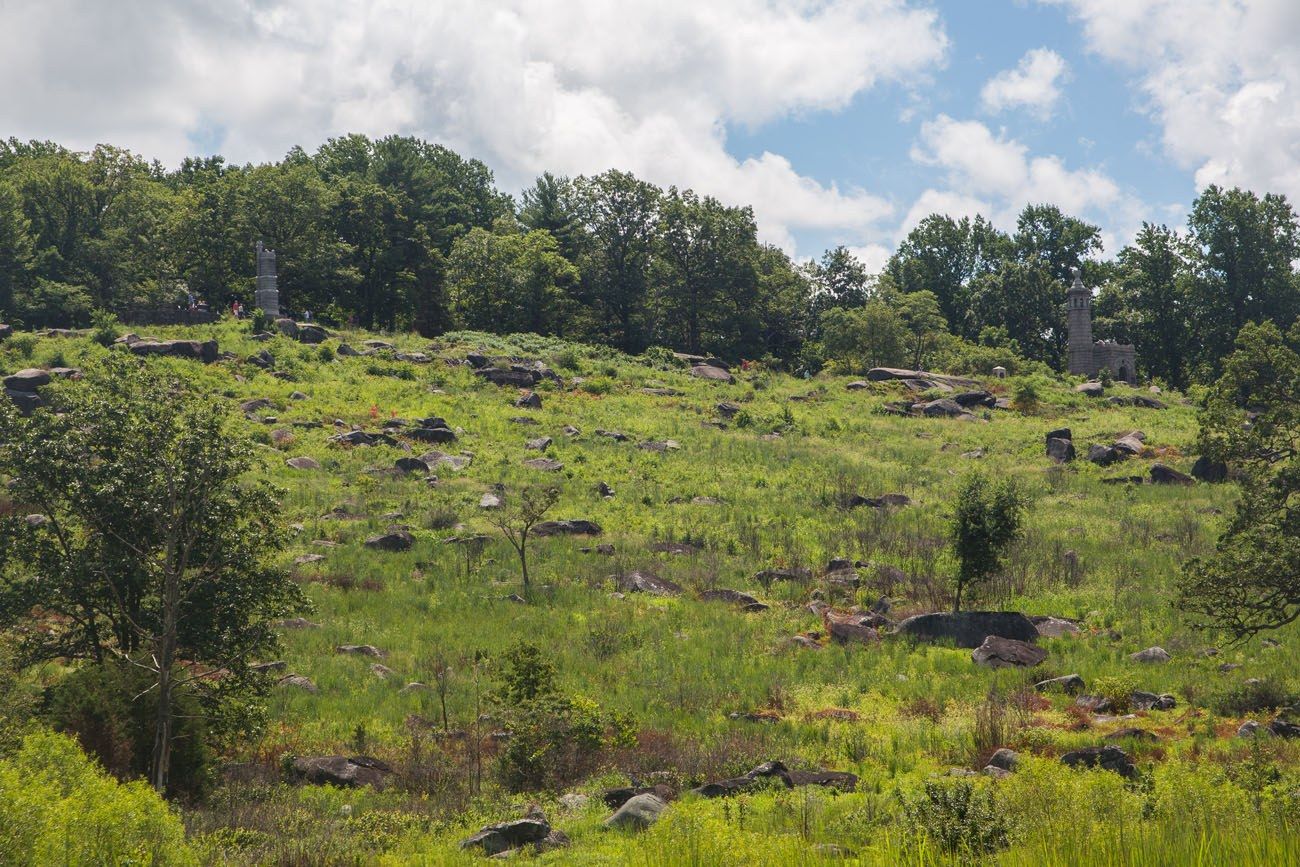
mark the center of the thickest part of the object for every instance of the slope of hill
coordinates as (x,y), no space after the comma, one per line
(768,486)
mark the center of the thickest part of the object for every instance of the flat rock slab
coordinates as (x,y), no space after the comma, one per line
(505,836)
(200,350)
(29,379)
(647,582)
(397,540)
(574,527)
(998,652)
(708,371)
(549,465)
(968,628)
(348,771)
(302,462)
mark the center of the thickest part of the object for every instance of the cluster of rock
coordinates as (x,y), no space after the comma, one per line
(23,388)
(1060,448)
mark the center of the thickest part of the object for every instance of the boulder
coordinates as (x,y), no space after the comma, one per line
(508,378)
(1131,733)
(540,444)
(348,771)
(1166,475)
(974,398)
(638,812)
(733,597)
(998,652)
(1059,450)
(659,446)
(302,462)
(1209,470)
(489,501)
(411,465)
(1104,456)
(1005,759)
(360,650)
(1284,728)
(26,401)
(1062,433)
(455,463)
(431,434)
(1130,443)
(968,628)
(647,582)
(503,837)
(1140,700)
(1249,728)
(262,359)
(708,371)
(297,681)
(616,436)
(286,326)
(347,351)
(884,501)
(29,379)
(798,575)
(311,333)
(1090,389)
(6,331)
(549,465)
(1070,683)
(200,350)
(847,631)
(1109,758)
(1151,654)
(574,527)
(531,400)
(617,797)
(394,540)
(942,408)
(727,409)
(1054,627)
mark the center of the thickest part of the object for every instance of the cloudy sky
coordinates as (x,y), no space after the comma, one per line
(840,121)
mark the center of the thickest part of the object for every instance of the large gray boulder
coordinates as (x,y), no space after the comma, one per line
(1060,450)
(637,813)
(647,582)
(573,527)
(942,408)
(968,628)
(395,540)
(199,350)
(347,771)
(1109,758)
(508,835)
(1207,469)
(27,380)
(998,652)
(1162,474)
(311,333)
(708,371)
(26,401)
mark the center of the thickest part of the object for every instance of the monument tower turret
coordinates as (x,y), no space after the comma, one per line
(1078,320)
(267,295)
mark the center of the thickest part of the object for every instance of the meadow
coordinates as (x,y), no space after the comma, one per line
(702,690)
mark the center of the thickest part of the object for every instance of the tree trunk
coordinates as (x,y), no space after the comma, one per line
(165,659)
(956,602)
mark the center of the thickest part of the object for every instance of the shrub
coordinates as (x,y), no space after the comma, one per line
(105,324)
(1118,688)
(958,817)
(56,807)
(1251,697)
(1025,396)
(107,708)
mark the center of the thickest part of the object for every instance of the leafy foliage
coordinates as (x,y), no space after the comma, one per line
(986,520)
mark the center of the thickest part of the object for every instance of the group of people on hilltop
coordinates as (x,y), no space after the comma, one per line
(239,311)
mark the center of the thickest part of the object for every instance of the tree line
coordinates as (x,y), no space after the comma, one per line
(397,232)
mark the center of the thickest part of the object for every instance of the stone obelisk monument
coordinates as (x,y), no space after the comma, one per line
(266,296)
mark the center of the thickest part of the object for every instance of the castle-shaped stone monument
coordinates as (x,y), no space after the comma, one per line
(266,296)
(1086,356)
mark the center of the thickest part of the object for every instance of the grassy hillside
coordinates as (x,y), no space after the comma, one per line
(709,691)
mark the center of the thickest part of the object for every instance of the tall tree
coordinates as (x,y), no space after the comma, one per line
(946,257)
(839,279)
(620,215)
(16,249)
(1146,303)
(507,281)
(153,547)
(1242,250)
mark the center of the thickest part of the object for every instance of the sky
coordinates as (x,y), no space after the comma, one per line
(839,121)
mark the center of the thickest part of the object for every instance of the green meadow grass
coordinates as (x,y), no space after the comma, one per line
(681,666)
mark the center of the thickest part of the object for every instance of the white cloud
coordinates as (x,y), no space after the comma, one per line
(1220,77)
(573,86)
(996,176)
(1034,85)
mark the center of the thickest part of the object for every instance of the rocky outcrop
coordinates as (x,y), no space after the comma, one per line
(968,628)
(709,371)
(505,836)
(647,582)
(347,771)
(205,351)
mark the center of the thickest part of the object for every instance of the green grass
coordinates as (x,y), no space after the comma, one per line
(680,666)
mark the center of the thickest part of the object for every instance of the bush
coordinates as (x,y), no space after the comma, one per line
(105,324)
(54,305)
(108,710)
(1118,688)
(56,807)
(1252,697)
(958,817)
